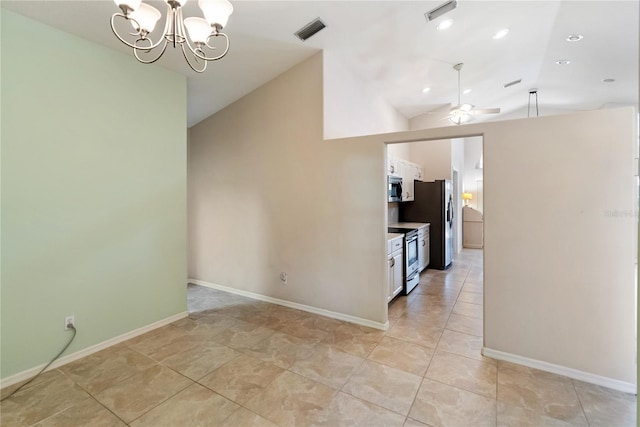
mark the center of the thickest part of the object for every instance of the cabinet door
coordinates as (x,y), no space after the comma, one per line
(393,166)
(417,173)
(397,274)
(426,251)
(390,273)
(422,252)
(408,173)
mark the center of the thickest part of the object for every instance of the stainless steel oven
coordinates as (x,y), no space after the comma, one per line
(411,265)
(411,261)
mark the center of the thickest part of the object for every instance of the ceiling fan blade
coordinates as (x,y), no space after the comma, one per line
(486,111)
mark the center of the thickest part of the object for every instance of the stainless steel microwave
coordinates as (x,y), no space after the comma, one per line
(395,188)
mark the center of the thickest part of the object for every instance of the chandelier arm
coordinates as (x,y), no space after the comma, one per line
(132,45)
(209,58)
(186,58)
(149,61)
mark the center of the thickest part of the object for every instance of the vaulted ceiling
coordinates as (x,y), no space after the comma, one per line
(392,47)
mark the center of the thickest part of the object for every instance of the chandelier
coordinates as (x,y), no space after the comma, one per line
(194,35)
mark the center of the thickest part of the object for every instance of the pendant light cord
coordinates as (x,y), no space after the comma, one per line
(459,88)
(535,94)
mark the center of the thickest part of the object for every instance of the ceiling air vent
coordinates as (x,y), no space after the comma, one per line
(310,29)
(513,83)
(441,10)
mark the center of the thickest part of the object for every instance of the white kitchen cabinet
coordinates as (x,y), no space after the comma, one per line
(393,166)
(409,172)
(423,247)
(395,274)
(395,270)
(407,169)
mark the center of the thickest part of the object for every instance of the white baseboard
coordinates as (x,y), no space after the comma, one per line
(303,307)
(561,370)
(24,375)
(470,246)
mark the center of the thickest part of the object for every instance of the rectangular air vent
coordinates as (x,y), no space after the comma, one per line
(513,83)
(310,29)
(441,10)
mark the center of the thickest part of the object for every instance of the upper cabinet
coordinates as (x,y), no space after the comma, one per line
(419,173)
(393,166)
(409,172)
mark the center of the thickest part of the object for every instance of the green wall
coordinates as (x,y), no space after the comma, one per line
(93,192)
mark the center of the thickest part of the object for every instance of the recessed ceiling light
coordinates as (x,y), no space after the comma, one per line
(445,24)
(563,62)
(426,89)
(575,37)
(500,34)
(608,80)
(466,91)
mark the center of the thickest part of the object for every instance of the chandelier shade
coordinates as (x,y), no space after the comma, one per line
(198,29)
(216,12)
(145,18)
(194,35)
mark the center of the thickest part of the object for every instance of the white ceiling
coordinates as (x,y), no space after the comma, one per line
(397,52)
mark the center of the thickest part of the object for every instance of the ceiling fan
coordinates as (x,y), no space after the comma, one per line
(463,113)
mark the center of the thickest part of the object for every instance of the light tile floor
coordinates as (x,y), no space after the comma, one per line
(237,362)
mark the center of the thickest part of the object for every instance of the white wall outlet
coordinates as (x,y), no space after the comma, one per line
(283,278)
(68,321)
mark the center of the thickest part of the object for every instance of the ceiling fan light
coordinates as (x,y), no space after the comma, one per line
(146,16)
(216,12)
(460,117)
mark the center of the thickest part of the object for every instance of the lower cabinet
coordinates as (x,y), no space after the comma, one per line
(395,273)
(423,247)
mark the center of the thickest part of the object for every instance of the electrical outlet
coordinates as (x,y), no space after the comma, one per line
(69,320)
(283,278)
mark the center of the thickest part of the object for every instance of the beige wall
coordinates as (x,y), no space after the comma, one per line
(559,263)
(399,151)
(353,108)
(434,156)
(267,194)
(560,266)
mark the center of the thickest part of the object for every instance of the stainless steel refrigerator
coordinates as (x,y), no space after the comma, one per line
(433,203)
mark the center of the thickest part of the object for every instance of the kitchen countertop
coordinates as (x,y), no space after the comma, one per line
(391,236)
(409,224)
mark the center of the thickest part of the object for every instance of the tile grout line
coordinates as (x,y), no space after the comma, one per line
(573,384)
(91,396)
